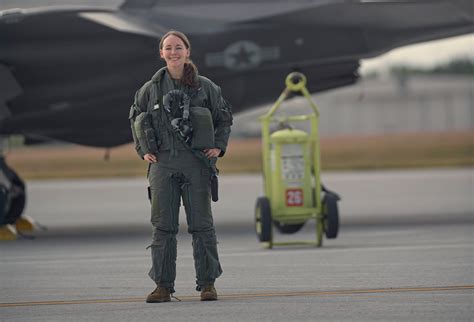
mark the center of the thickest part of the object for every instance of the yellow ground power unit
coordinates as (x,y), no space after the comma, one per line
(291,171)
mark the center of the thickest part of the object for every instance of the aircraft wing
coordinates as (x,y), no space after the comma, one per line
(370,27)
(374,27)
(70,73)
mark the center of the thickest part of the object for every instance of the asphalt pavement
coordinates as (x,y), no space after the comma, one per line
(404,253)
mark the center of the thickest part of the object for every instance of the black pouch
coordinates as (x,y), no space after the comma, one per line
(149,193)
(214,188)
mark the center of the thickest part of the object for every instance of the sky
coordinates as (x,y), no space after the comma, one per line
(423,55)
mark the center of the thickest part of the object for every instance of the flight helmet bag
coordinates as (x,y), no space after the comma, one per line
(203,128)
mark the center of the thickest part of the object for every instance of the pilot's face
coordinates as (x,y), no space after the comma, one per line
(174,52)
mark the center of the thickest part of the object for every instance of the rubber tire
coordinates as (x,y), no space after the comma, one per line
(331,220)
(3,204)
(18,203)
(263,215)
(288,228)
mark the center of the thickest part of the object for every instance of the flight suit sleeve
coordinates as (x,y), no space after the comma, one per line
(222,118)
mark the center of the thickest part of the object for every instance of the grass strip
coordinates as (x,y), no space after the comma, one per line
(398,151)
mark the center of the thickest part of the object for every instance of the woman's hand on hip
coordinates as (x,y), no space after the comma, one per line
(212,153)
(150,158)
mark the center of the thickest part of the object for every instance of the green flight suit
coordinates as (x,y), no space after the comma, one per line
(179,174)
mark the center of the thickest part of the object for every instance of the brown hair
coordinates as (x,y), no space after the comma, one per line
(190,70)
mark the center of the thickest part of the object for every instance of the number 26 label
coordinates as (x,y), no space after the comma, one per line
(294,197)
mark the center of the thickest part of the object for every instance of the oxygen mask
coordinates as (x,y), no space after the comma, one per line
(183,127)
(176,103)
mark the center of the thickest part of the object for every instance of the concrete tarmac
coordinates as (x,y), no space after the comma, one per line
(404,253)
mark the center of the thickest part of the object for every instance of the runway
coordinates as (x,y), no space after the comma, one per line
(404,253)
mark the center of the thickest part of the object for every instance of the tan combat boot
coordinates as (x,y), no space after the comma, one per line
(209,293)
(160,294)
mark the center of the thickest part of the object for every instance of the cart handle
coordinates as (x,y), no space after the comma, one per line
(295,81)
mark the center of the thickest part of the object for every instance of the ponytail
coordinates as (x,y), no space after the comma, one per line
(190,75)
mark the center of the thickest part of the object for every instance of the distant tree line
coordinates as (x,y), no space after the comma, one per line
(458,66)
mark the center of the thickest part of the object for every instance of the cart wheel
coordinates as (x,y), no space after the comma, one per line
(331,213)
(263,219)
(287,228)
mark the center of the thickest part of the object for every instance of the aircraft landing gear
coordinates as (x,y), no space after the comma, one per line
(12,203)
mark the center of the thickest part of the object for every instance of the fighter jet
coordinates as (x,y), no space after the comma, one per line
(70,73)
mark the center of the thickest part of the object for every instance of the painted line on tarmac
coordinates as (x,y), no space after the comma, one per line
(255,295)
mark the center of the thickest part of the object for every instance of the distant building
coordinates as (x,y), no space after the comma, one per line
(384,105)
